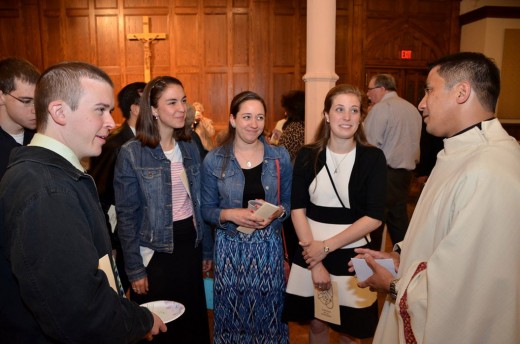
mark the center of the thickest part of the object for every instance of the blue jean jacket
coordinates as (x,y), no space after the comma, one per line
(225,189)
(143,194)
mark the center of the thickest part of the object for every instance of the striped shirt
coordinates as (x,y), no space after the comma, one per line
(181,203)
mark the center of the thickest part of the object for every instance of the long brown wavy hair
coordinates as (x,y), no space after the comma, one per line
(147,129)
(322,136)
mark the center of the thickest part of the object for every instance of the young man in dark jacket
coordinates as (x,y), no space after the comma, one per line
(54,235)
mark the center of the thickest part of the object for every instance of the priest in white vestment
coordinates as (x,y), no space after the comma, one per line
(458,267)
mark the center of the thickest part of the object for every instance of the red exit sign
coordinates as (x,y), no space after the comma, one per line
(406,54)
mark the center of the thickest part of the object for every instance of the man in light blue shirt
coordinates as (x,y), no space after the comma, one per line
(394,125)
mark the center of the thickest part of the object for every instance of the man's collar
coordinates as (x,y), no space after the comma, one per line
(478,125)
(41,140)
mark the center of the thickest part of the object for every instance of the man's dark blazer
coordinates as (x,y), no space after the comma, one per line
(7,143)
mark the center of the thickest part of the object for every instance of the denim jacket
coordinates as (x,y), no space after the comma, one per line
(224,189)
(143,194)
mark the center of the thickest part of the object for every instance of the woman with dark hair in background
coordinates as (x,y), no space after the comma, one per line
(166,244)
(292,138)
(293,133)
(249,271)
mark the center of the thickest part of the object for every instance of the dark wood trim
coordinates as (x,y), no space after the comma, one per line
(489,12)
(512,129)
(9,13)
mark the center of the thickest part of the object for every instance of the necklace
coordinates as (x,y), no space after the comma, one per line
(336,166)
(248,161)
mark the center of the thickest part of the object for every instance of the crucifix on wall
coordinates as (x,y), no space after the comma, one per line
(147,38)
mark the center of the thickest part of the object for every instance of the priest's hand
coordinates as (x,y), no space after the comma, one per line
(380,280)
(376,255)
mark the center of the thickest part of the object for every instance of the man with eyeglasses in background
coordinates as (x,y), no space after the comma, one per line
(17,117)
(394,125)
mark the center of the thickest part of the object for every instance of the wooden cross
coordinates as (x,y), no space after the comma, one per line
(146,38)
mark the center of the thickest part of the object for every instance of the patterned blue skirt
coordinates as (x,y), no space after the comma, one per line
(249,288)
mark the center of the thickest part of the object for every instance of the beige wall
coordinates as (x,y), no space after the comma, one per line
(487,36)
(508,106)
(470,5)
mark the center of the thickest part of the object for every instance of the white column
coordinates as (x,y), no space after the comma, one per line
(320,75)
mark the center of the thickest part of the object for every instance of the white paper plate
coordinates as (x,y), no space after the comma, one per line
(166,310)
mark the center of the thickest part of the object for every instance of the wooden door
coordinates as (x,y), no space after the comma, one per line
(409,82)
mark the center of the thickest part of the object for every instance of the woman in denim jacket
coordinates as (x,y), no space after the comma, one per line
(249,273)
(166,244)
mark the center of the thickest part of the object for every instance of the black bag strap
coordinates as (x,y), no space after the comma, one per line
(334,186)
(337,194)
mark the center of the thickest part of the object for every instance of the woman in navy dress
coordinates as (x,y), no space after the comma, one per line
(249,274)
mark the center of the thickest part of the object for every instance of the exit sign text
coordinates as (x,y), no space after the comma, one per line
(406,54)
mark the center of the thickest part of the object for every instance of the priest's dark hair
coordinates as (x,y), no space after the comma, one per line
(479,70)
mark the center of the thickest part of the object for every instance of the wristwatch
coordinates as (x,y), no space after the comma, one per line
(326,249)
(393,288)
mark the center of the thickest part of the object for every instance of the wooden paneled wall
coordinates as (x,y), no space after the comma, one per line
(429,29)
(218,48)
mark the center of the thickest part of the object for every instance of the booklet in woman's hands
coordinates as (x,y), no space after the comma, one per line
(262,209)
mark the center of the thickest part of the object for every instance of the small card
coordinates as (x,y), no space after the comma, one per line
(245,230)
(363,271)
(326,304)
(112,217)
(106,267)
(265,211)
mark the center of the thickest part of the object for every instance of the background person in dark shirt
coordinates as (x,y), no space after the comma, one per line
(17,118)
